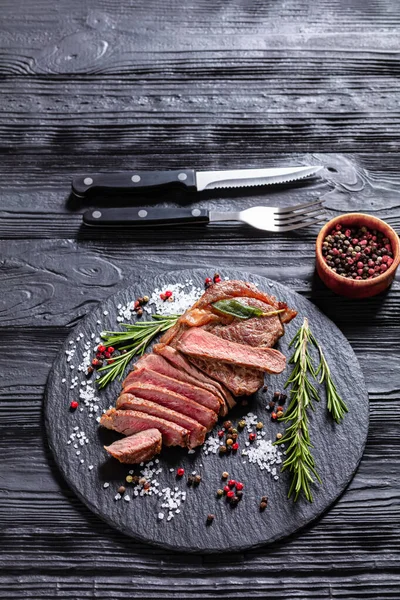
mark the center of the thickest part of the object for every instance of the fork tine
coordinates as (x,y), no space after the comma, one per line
(299,225)
(301,217)
(290,209)
(279,218)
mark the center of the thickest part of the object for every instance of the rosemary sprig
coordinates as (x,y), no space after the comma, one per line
(335,404)
(133,341)
(299,459)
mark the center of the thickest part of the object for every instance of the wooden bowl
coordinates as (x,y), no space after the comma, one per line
(351,287)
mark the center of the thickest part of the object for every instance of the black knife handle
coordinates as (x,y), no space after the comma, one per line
(133,181)
(145,216)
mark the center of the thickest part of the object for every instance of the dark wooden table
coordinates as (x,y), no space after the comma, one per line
(100,85)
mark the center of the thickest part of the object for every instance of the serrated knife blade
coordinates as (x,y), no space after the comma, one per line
(208,180)
(139,181)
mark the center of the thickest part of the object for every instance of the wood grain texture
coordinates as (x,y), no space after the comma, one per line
(107,85)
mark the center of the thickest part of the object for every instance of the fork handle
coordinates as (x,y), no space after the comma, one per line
(144,216)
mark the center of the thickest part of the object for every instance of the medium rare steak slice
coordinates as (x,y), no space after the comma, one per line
(240,381)
(261,332)
(197,431)
(129,422)
(157,363)
(181,362)
(201,344)
(198,394)
(136,448)
(177,402)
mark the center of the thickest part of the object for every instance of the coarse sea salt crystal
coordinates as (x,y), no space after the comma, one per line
(160,516)
(127,498)
(117,496)
(106,484)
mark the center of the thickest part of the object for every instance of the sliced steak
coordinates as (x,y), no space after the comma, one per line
(201,313)
(261,332)
(136,448)
(157,363)
(173,401)
(181,362)
(197,431)
(240,381)
(199,343)
(198,394)
(129,422)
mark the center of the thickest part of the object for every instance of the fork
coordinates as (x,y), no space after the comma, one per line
(266,218)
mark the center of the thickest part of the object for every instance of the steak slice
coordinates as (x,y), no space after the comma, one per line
(198,394)
(136,448)
(240,381)
(157,363)
(181,362)
(129,422)
(197,431)
(173,401)
(261,332)
(201,344)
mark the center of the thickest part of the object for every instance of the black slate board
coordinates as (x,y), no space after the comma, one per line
(338,449)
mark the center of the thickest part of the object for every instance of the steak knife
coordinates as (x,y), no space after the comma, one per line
(139,181)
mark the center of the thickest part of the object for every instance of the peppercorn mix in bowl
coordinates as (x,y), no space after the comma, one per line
(357,255)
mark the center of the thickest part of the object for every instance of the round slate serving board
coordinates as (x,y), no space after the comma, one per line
(337,448)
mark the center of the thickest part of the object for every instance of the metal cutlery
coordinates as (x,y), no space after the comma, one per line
(139,181)
(266,218)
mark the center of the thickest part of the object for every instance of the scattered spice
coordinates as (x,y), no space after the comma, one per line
(222,449)
(229,442)
(277,395)
(235,446)
(74,405)
(242,424)
(274,416)
(259,425)
(282,398)
(180,472)
(197,479)
(221,433)
(210,519)
(227,424)
(231,483)
(252,436)
(239,495)
(230,494)
(225,475)
(263,506)
(279,414)
(121,489)
(239,486)
(129,478)
(220,493)
(278,436)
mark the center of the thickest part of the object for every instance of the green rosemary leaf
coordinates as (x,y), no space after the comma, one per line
(133,342)
(335,404)
(299,460)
